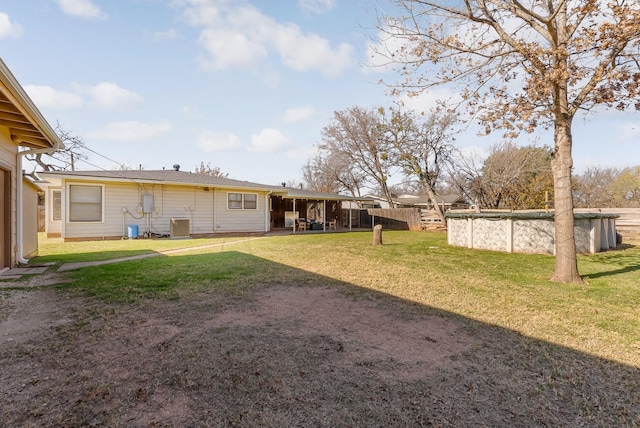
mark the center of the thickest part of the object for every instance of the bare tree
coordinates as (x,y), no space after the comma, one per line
(593,188)
(65,159)
(523,65)
(423,145)
(356,138)
(208,170)
(409,187)
(331,172)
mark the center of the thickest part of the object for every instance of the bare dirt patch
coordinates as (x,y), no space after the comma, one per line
(293,356)
(25,313)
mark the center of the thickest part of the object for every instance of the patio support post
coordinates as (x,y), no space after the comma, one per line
(324,216)
(294,215)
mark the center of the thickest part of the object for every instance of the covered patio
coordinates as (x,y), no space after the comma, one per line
(300,211)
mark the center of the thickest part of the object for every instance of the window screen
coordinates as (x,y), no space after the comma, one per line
(85,203)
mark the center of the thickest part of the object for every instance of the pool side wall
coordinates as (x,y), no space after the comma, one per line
(528,232)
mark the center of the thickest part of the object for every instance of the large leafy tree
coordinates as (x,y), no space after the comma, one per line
(524,64)
(515,177)
(626,187)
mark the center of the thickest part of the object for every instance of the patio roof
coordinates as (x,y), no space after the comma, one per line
(295,193)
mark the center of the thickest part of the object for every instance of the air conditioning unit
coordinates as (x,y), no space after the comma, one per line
(179,228)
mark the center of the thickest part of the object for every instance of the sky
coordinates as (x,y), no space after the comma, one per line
(243,85)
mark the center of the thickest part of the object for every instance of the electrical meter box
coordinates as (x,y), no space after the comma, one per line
(147,203)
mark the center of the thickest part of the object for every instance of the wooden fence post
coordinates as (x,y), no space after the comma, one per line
(377,234)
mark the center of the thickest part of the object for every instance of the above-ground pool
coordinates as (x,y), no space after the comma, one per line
(528,231)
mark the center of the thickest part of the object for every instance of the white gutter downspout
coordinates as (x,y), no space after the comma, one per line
(19,177)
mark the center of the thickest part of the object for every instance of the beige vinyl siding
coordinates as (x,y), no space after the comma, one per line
(51,226)
(29,220)
(8,153)
(111,224)
(178,202)
(206,210)
(240,220)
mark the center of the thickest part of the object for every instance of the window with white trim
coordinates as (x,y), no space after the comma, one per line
(56,205)
(250,201)
(242,201)
(85,203)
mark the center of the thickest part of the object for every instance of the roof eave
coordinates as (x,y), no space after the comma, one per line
(24,103)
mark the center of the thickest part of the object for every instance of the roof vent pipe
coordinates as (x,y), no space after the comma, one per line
(176,167)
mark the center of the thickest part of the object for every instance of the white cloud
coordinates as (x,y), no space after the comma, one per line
(298,114)
(380,49)
(8,28)
(428,100)
(301,153)
(131,131)
(306,52)
(211,141)
(228,48)
(109,95)
(269,140)
(241,36)
(316,6)
(47,97)
(82,9)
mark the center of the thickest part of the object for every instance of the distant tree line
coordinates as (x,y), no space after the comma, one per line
(362,149)
(608,187)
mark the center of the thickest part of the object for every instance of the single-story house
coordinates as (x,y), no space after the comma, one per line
(23,130)
(89,205)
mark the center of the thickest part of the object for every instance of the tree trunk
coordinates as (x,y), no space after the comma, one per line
(566,269)
(377,234)
(434,202)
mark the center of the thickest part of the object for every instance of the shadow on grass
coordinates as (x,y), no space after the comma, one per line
(190,362)
(626,269)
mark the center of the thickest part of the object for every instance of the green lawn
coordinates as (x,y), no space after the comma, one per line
(599,317)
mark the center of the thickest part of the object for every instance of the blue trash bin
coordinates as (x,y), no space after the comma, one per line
(132,231)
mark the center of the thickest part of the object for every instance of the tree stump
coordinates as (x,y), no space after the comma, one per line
(377,234)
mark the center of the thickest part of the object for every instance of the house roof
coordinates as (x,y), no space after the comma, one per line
(26,124)
(190,179)
(157,176)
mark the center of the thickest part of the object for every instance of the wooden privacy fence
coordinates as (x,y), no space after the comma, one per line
(404,218)
(41,218)
(628,224)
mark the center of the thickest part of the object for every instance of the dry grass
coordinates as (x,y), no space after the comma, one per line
(330,331)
